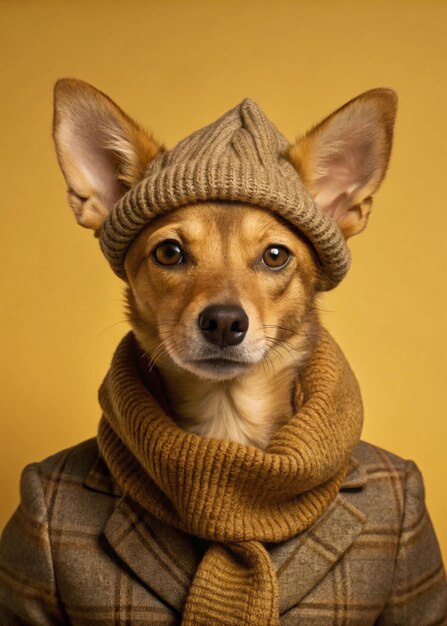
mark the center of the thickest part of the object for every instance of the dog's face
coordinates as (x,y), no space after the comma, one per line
(218,286)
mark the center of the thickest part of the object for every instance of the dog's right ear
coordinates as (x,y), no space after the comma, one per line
(102,152)
(343,159)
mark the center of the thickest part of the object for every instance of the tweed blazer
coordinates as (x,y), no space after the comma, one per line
(79,551)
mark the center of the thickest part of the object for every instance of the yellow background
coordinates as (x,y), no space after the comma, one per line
(176,66)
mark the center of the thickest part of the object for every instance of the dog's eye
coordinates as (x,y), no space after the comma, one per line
(275,256)
(168,253)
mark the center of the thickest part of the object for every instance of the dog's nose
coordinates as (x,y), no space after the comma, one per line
(223,324)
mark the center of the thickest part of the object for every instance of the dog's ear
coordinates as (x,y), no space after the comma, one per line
(102,152)
(343,159)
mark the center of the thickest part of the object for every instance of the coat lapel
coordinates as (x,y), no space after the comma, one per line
(165,558)
(304,560)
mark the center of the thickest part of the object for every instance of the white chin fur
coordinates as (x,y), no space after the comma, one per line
(216,372)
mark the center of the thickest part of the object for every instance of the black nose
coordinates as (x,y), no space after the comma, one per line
(223,324)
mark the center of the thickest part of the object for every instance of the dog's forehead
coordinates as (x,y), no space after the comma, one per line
(216,229)
(224,219)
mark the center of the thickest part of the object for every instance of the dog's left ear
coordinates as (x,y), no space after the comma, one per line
(102,152)
(343,159)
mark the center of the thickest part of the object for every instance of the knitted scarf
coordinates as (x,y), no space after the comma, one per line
(235,495)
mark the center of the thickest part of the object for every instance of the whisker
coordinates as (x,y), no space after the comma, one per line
(297,333)
(164,332)
(296,350)
(263,366)
(279,341)
(111,326)
(317,307)
(281,355)
(271,363)
(283,342)
(264,361)
(155,354)
(160,351)
(290,330)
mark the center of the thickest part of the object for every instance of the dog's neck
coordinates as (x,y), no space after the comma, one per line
(247,409)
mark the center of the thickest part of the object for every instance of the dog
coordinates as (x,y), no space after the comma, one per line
(222,296)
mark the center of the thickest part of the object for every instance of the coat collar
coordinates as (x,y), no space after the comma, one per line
(165,558)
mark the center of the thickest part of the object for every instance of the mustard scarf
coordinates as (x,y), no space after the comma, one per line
(235,495)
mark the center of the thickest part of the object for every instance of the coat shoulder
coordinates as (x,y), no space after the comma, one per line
(373,458)
(371,464)
(383,468)
(392,490)
(33,543)
(74,461)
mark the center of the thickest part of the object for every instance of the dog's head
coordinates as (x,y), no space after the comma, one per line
(219,287)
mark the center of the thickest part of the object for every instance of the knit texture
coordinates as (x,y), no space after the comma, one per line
(237,496)
(240,157)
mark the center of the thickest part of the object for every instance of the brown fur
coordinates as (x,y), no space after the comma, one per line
(102,153)
(361,129)
(224,243)
(119,149)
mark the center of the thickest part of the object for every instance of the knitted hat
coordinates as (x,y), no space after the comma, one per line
(239,157)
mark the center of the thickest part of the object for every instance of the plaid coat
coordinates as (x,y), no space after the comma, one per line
(78,551)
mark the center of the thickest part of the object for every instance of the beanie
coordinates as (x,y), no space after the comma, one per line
(240,157)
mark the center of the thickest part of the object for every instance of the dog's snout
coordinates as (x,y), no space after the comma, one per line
(223,324)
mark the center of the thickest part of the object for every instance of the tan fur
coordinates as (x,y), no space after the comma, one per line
(342,160)
(225,242)
(101,150)
(353,146)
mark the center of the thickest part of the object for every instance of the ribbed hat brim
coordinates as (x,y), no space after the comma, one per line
(240,158)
